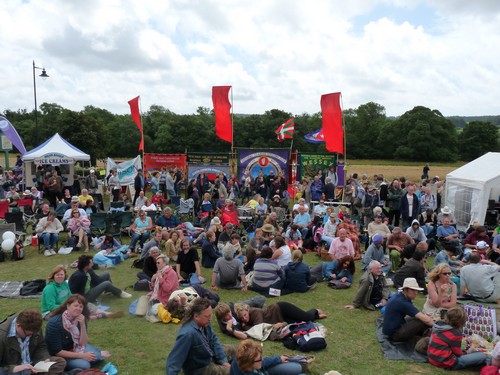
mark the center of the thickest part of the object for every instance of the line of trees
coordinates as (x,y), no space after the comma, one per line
(420,134)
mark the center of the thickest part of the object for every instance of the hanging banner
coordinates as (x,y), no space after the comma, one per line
(211,164)
(127,170)
(213,159)
(341,172)
(310,164)
(154,162)
(265,161)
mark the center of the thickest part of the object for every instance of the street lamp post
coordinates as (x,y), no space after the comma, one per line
(43,75)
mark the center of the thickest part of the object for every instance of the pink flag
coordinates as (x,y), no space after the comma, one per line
(332,122)
(222,106)
(136,116)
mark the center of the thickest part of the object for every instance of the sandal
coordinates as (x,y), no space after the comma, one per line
(86,250)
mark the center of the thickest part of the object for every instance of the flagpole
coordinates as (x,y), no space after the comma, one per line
(142,136)
(233,158)
(343,128)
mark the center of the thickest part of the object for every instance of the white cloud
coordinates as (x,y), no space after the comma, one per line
(279,54)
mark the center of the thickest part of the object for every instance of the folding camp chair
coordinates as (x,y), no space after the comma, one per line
(98,223)
(16,218)
(113,224)
(117,206)
(127,220)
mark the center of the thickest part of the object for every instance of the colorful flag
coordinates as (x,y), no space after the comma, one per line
(11,133)
(332,122)
(222,106)
(315,137)
(136,116)
(286,130)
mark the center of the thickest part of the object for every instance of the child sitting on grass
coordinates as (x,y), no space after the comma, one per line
(445,345)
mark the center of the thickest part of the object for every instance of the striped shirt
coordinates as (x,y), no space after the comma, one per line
(445,345)
(266,272)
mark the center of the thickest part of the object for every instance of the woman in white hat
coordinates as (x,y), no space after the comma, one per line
(446,213)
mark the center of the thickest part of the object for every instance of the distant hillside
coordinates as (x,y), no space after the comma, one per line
(461,121)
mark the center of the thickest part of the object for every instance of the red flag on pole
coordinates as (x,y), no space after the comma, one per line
(332,122)
(222,106)
(136,116)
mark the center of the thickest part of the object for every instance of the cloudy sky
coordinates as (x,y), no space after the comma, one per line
(443,54)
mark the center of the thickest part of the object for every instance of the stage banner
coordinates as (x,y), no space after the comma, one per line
(266,161)
(154,162)
(127,170)
(310,164)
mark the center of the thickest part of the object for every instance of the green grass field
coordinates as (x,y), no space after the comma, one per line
(139,347)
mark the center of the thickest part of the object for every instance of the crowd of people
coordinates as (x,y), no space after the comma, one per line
(250,234)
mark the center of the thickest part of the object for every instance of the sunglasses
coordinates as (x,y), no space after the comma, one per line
(446,273)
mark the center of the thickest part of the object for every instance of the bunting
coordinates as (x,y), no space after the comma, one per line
(332,122)
(136,116)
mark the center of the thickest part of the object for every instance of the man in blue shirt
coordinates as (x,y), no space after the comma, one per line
(396,326)
(302,220)
(197,349)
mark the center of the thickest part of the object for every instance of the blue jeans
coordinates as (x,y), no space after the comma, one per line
(49,239)
(287,368)
(143,237)
(470,360)
(72,363)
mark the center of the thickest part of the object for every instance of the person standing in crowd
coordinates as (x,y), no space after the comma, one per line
(114,185)
(394,195)
(91,182)
(138,185)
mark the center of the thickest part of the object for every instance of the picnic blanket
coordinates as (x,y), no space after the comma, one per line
(12,289)
(396,350)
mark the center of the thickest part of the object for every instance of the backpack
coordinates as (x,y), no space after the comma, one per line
(138,263)
(141,286)
(32,287)
(17,251)
(305,337)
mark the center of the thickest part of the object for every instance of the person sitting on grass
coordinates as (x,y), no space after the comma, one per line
(402,320)
(164,282)
(298,275)
(376,252)
(446,256)
(249,360)
(86,282)
(188,263)
(209,251)
(480,279)
(197,349)
(66,335)
(22,344)
(155,241)
(149,267)
(339,269)
(414,268)
(396,244)
(445,344)
(373,291)
(442,291)
(228,272)
(57,291)
(267,273)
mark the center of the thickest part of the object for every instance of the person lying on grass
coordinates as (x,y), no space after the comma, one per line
(276,314)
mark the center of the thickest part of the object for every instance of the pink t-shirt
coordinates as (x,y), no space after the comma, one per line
(340,248)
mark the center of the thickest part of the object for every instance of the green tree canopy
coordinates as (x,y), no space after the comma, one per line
(476,139)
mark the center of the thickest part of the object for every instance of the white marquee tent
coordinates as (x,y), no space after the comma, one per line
(470,187)
(54,151)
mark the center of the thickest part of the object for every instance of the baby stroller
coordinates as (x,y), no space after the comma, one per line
(185,209)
